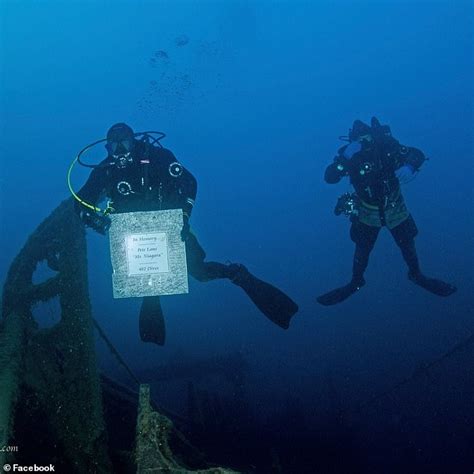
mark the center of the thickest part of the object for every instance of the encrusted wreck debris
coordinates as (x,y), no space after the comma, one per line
(52,373)
(51,405)
(154,432)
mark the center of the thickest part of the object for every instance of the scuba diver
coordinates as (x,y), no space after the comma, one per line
(376,163)
(138,174)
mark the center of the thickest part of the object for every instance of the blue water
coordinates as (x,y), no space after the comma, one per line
(252,97)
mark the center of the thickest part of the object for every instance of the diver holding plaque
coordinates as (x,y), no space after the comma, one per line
(138,174)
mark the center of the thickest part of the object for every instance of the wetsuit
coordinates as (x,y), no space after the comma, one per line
(371,160)
(372,172)
(153,181)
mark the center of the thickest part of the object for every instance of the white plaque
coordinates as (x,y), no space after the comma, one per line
(147,253)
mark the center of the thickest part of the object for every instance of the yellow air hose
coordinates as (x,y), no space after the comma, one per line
(84,203)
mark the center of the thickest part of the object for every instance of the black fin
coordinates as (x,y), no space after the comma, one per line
(437,287)
(152,321)
(271,301)
(339,294)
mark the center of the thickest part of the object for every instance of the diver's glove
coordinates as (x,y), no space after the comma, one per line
(405,173)
(185,231)
(96,221)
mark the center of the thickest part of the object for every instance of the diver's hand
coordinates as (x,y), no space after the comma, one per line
(186,229)
(405,173)
(97,222)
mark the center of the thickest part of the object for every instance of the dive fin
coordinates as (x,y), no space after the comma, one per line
(437,287)
(271,301)
(340,294)
(152,321)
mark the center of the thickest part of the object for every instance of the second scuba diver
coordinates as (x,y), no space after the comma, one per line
(376,163)
(140,175)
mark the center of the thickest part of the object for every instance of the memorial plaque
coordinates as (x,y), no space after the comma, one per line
(148,255)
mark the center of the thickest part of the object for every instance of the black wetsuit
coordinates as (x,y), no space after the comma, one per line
(155,180)
(372,173)
(371,160)
(372,169)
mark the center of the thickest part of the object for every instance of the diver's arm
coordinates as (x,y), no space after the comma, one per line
(408,161)
(91,192)
(187,183)
(189,188)
(90,195)
(410,156)
(340,167)
(404,156)
(336,171)
(186,188)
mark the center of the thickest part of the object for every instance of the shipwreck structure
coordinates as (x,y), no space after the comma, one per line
(52,401)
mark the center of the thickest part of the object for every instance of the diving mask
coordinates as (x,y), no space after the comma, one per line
(121,152)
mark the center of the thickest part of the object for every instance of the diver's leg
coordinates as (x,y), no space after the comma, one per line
(271,301)
(404,235)
(151,321)
(364,237)
(198,268)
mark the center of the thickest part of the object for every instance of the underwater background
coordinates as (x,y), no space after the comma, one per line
(253,96)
